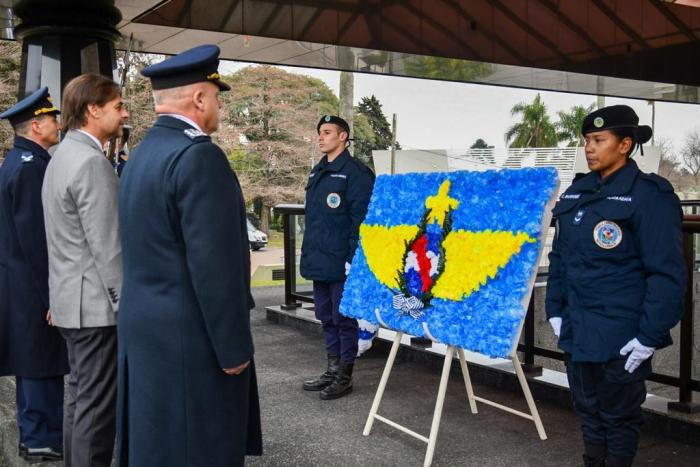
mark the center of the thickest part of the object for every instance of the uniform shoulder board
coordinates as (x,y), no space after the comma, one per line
(191,133)
(662,184)
(27,157)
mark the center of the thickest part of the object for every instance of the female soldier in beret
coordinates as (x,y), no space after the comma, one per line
(616,283)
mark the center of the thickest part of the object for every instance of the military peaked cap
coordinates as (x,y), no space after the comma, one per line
(34,105)
(191,66)
(615,116)
(336,121)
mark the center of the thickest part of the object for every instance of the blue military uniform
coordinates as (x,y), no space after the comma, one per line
(616,273)
(337,196)
(184,313)
(630,287)
(30,349)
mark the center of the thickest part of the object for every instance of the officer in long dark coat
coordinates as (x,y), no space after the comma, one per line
(616,283)
(187,391)
(337,196)
(30,349)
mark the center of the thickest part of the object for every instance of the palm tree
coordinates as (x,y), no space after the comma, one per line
(569,124)
(535,130)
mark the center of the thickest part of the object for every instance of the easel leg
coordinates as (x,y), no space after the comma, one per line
(382,383)
(467,380)
(432,440)
(528,396)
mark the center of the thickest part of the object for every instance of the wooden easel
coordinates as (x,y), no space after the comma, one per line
(431,440)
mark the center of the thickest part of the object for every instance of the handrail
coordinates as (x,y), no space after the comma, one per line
(685,383)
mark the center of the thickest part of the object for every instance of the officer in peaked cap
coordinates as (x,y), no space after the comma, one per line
(183,324)
(616,283)
(337,196)
(195,65)
(31,350)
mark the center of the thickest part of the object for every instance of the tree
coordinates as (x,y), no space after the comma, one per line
(670,167)
(268,130)
(480,144)
(10,61)
(380,136)
(570,123)
(690,154)
(137,93)
(364,138)
(535,130)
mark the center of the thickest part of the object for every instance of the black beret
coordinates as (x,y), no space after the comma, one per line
(37,103)
(191,66)
(615,116)
(336,121)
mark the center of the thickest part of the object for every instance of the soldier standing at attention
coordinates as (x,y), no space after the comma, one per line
(616,284)
(30,348)
(337,195)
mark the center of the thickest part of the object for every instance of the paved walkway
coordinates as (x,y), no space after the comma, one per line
(265,256)
(301,430)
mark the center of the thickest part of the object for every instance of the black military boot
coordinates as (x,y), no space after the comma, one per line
(594,455)
(342,384)
(326,378)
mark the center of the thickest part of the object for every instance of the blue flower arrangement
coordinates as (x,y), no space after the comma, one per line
(483,229)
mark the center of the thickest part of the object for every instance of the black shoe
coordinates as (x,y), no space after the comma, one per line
(326,378)
(47,454)
(594,455)
(342,384)
(22,450)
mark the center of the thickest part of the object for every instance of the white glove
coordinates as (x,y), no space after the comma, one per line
(368,332)
(556,325)
(639,353)
(347,268)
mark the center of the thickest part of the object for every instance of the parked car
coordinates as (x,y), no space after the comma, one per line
(256,238)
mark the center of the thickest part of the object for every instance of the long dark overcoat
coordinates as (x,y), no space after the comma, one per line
(185,307)
(29,347)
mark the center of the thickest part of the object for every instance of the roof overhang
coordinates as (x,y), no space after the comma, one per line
(644,49)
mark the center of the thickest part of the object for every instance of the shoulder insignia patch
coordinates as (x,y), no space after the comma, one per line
(27,157)
(191,133)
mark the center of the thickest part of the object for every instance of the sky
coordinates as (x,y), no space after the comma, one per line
(448,115)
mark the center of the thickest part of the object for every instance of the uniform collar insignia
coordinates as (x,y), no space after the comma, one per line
(27,157)
(192,133)
(30,147)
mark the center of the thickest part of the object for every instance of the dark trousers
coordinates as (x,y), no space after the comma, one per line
(40,411)
(609,401)
(340,332)
(89,423)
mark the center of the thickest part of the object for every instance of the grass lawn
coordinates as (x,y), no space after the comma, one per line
(275,239)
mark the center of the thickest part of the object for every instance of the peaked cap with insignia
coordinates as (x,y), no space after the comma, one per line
(334,119)
(34,105)
(616,116)
(195,65)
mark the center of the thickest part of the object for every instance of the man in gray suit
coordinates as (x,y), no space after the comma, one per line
(85,264)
